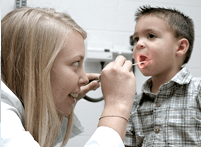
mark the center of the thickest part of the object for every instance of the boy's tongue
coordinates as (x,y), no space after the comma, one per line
(142,58)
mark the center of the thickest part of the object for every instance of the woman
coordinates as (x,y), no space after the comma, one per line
(42,64)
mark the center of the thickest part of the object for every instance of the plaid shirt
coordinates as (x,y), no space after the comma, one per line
(170,118)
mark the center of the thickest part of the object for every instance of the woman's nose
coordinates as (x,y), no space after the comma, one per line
(83,77)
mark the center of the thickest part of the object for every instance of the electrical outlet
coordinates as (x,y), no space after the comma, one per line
(17,4)
(24,3)
(20,3)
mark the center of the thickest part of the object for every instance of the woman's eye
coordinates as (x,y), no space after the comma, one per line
(76,63)
(151,35)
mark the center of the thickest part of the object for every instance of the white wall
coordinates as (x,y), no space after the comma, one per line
(112,22)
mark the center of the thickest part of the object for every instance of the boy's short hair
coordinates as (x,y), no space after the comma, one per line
(181,25)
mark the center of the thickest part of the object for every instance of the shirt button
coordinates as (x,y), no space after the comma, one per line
(158,104)
(157,130)
(146,94)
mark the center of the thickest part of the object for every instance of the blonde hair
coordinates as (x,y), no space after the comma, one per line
(31,39)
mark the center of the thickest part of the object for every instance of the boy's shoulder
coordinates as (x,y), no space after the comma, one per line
(185,77)
(196,82)
(137,100)
(138,97)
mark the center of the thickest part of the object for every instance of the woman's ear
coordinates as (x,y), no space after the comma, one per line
(183,46)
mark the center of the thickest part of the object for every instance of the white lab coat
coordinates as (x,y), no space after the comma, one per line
(14,134)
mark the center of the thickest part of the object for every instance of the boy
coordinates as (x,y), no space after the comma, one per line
(168,111)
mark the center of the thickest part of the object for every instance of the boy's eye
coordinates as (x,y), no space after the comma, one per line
(76,63)
(135,39)
(151,35)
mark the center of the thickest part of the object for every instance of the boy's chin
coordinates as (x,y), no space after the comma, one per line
(146,74)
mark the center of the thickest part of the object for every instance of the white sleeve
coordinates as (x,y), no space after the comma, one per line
(12,130)
(105,137)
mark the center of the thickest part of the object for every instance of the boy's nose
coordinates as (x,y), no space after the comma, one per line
(140,44)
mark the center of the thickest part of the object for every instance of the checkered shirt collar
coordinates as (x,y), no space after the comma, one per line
(181,78)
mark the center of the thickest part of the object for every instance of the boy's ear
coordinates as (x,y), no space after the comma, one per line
(183,46)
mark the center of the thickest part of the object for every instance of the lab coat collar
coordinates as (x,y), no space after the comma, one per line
(8,97)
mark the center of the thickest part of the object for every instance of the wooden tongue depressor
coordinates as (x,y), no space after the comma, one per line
(139,63)
(99,78)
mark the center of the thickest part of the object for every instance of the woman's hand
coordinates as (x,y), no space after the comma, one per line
(118,87)
(89,86)
(118,83)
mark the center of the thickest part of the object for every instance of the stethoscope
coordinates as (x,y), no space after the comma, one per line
(94,99)
(102,64)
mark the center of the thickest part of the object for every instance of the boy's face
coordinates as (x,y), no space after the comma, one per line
(156,45)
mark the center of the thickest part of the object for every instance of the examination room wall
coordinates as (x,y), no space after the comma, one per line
(109,24)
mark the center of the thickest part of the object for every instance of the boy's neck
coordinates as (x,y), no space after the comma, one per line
(158,80)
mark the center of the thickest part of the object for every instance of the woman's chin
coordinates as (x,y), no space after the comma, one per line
(65,112)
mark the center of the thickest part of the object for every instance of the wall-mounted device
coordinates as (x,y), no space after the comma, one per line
(102,54)
(98,55)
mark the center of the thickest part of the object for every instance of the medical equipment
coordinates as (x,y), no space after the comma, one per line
(104,53)
(98,52)
(99,80)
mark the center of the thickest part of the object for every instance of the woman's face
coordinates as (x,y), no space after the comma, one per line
(67,74)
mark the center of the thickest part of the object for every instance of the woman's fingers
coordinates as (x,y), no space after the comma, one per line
(127,65)
(92,76)
(119,61)
(93,85)
(118,82)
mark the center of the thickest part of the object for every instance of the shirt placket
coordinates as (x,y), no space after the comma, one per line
(159,118)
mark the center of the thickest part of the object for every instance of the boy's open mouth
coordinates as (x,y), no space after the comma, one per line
(141,58)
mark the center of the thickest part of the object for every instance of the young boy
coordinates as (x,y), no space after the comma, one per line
(168,111)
